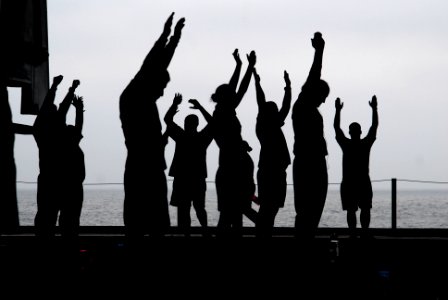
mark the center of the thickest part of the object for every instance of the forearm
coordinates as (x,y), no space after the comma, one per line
(235,77)
(244,85)
(261,99)
(375,117)
(340,137)
(316,67)
(170,49)
(286,105)
(337,121)
(207,116)
(50,97)
(22,128)
(65,104)
(169,116)
(79,120)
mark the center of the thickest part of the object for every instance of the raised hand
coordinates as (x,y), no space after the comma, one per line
(57,79)
(252,58)
(75,83)
(287,80)
(373,103)
(318,42)
(177,99)
(179,25)
(195,104)
(168,24)
(78,102)
(256,76)
(338,104)
(236,56)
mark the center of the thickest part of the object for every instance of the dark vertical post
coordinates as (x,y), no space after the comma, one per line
(394,203)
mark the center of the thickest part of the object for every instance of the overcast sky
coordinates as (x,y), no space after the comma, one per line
(397,50)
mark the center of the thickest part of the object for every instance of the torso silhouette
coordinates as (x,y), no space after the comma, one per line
(190,155)
(274,153)
(356,156)
(309,131)
(227,134)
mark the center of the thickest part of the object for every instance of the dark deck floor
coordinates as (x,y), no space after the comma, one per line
(395,264)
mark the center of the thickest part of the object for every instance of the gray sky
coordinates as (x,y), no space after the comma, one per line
(397,50)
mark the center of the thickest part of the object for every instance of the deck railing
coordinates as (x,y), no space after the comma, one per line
(393,181)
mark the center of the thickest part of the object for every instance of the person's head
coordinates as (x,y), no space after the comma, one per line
(191,123)
(271,110)
(355,131)
(159,83)
(51,109)
(322,92)
(318,92)
(222,92)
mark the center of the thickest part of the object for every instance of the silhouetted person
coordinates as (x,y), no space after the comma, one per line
(189,165)
(274,156)
(356,187)
(9,213)
(74,175)
(310,150)
(227,135)
(49,133)
(14,54)
(145,187)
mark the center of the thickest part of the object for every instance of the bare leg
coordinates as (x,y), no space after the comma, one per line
(365,221)
(352,222)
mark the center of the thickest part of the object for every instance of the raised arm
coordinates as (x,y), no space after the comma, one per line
(158,57)
(337,119)
(252,59)
(172,44)
(22,128)
(196,105)
(51,94)
(157,49)
(236,73)
(286,105)
(374,126)
(261,99)
(163,39)
(318,44)
(78,103)
(169,116)
(65,104)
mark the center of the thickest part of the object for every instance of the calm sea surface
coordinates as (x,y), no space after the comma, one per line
(416,208)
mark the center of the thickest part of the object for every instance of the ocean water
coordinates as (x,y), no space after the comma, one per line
(416,208)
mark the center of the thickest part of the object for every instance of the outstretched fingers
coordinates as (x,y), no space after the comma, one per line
(194,103)
(338,104)
(177,98)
